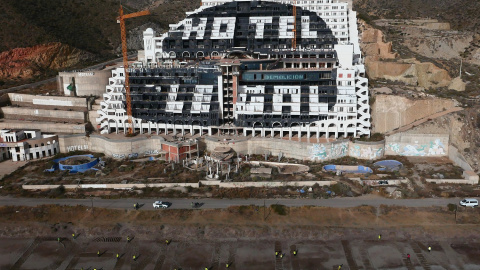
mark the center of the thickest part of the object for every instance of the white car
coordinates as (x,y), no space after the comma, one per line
(469,202)
(160,204)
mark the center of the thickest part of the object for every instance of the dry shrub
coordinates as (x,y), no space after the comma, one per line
(280,209)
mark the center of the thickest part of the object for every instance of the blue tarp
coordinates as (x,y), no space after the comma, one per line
(360,169)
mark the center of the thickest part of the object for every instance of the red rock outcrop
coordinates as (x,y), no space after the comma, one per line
(25,63)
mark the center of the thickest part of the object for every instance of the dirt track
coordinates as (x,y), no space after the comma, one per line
(245,236)
(357,254)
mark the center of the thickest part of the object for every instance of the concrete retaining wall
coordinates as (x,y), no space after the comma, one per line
(397,144)
(394,182)
(193,185)
(125,148)
(391,112)
(19,112)
(366,150)
(267,184)
(111,186)
(453,181)
(404,144)
(289,149)
(46,127)
(455,156)
(48,100)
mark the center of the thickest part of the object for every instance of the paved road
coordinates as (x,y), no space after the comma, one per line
(224,203)
(35,84)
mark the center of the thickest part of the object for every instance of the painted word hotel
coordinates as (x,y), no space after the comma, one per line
(249,68)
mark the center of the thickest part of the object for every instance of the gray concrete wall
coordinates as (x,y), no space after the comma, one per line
(453,181)
(239,145)
(390,112)
(87,83)
(124,148)
(376,182)
(289,149)
(194,185)
(267,184)
(46,127)
(457,158)
(47,100)
(366,150)
(113,186)
(19,112)
(404,144)
(397,144)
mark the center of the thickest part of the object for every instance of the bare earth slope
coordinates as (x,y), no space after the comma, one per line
(25,63)
(461,14)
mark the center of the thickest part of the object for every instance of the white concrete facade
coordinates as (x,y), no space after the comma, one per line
(350,116)
(22,145)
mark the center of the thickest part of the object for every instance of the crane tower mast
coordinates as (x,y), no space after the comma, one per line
(121,20)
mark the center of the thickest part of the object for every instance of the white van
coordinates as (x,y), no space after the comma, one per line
(469,202)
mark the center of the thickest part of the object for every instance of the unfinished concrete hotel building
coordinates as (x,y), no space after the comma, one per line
(252,68)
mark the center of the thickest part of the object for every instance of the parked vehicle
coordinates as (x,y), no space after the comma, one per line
(469,202)
(160,204)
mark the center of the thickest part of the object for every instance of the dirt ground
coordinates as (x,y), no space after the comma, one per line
(9,166)
(245,237)
(123,171)
(240,254)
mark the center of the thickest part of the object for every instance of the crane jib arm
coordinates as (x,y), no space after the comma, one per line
(133,15)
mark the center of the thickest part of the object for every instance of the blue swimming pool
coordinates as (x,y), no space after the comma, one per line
(347,169)
(388,165)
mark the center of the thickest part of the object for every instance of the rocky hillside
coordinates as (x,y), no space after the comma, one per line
(84,28)
(383,63)
(412,49)
(25,63)
(461,14)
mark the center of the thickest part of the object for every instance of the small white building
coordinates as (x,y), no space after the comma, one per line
(83,83)
(21,145)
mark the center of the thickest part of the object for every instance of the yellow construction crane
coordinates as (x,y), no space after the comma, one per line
(294,39)
(121,20)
